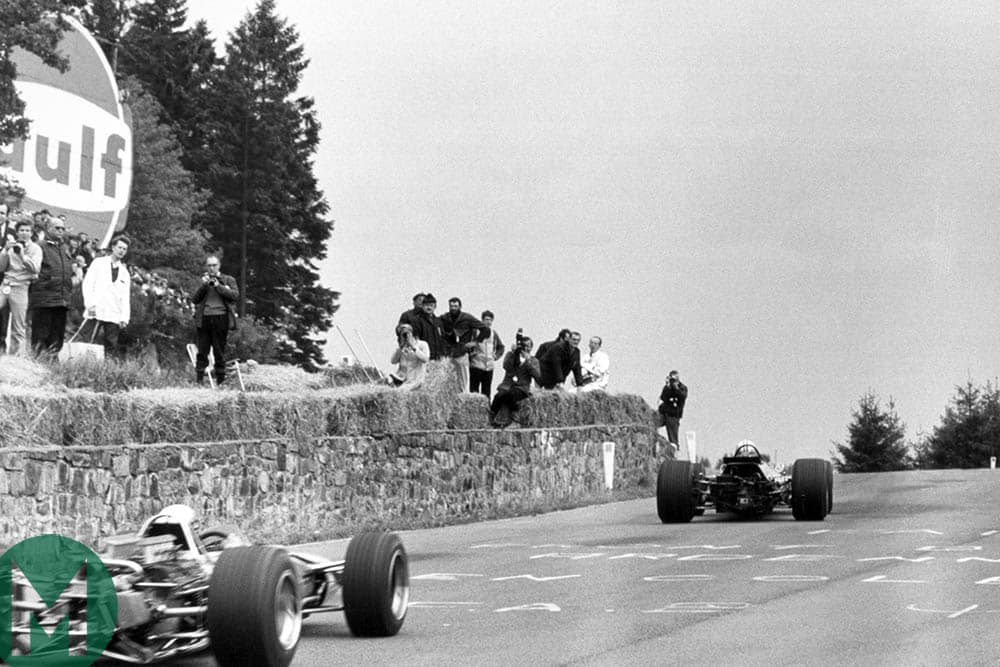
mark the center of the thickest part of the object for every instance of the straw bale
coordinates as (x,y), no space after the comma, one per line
(558,408)
(31,416)
(469,411)
(280,378)
(23,372)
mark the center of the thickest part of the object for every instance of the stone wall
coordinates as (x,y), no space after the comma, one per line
(289,490)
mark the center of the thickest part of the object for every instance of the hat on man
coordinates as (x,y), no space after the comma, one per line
(429,298)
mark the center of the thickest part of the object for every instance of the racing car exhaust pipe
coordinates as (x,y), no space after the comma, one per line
(180,612)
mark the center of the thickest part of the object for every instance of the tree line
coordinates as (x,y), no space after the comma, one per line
(968,435)
(223,151)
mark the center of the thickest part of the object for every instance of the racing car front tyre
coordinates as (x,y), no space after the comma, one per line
(810,492)
(675,492)
(829,487)
(375,584)
(254,607)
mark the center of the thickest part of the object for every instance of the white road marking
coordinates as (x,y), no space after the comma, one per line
(568,556)
(716,557)
(922,559)
(554,546)
(791,577)
(498,545)
(963,611)
(990,581)
(961,547)
(977,558)
(881,578)
(802,558)
(698,608)
(532,577)
(444,576)
(818,532)
(680,577)
(917,530)
(988,533)
(537,606)
(644,556)
(782,547)
(710,547)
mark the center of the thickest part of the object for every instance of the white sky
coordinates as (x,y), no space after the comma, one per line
(791,206)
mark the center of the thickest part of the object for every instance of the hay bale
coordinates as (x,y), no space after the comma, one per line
(469,411)
(280,378)
(559,408)
(19,371)
(31,415)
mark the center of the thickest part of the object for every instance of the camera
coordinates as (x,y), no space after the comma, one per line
(519,339)
(17,248)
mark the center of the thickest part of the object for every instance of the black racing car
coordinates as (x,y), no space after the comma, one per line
(746,486)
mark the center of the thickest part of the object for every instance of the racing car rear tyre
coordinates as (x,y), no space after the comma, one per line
(810,492)
(675,492)
(829,487)
(376,584)
(254,607)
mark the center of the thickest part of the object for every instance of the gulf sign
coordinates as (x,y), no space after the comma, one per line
(77,159)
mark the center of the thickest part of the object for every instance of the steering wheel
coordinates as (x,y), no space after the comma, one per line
(211,540)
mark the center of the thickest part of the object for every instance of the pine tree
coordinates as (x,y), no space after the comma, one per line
(27,24)
(266,212)
(875,439)
(164,199)
(969,433)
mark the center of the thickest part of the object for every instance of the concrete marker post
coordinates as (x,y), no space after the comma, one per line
(993,463)
(609,464)
(691,445)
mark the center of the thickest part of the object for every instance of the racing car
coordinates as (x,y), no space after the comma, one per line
(180,591)
(746,486)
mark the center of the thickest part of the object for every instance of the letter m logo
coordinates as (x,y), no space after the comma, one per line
(36,609)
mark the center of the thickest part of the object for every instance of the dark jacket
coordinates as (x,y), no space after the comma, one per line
(410,317)
(557,361)
(54,285)
(672,400)
(519,370)
(459,330)
(226,289)
(428,329)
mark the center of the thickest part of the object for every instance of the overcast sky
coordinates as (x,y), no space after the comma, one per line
(791,203)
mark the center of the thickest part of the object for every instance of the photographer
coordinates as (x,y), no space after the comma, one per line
(412,356)
(520,368)
(672,400)
(214,316)
(20,262)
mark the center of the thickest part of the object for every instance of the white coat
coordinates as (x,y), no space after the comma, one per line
(111,302)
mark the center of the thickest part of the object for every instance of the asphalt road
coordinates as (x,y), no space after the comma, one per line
(906,571)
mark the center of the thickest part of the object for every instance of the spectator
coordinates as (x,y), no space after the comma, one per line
(427,326)
(672,400)
(595,367)
(410,316)
(520,368)
(49,295)
(460,332)
(107,288)
(214,316)
(564,334)
(489,348)
(558,360)
(412,356)
(20,261)
(73,245)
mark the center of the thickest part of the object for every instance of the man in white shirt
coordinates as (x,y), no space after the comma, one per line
(595,367)
(107,295)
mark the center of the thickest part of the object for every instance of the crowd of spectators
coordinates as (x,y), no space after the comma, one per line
(474,349)
(49,290)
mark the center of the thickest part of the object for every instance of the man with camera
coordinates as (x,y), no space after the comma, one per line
(672,400)
(20,261)
(214,316)
(520,368)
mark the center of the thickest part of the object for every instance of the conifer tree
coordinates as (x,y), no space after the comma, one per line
(164,198)
(875,439)
(266,212)
(969,433)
